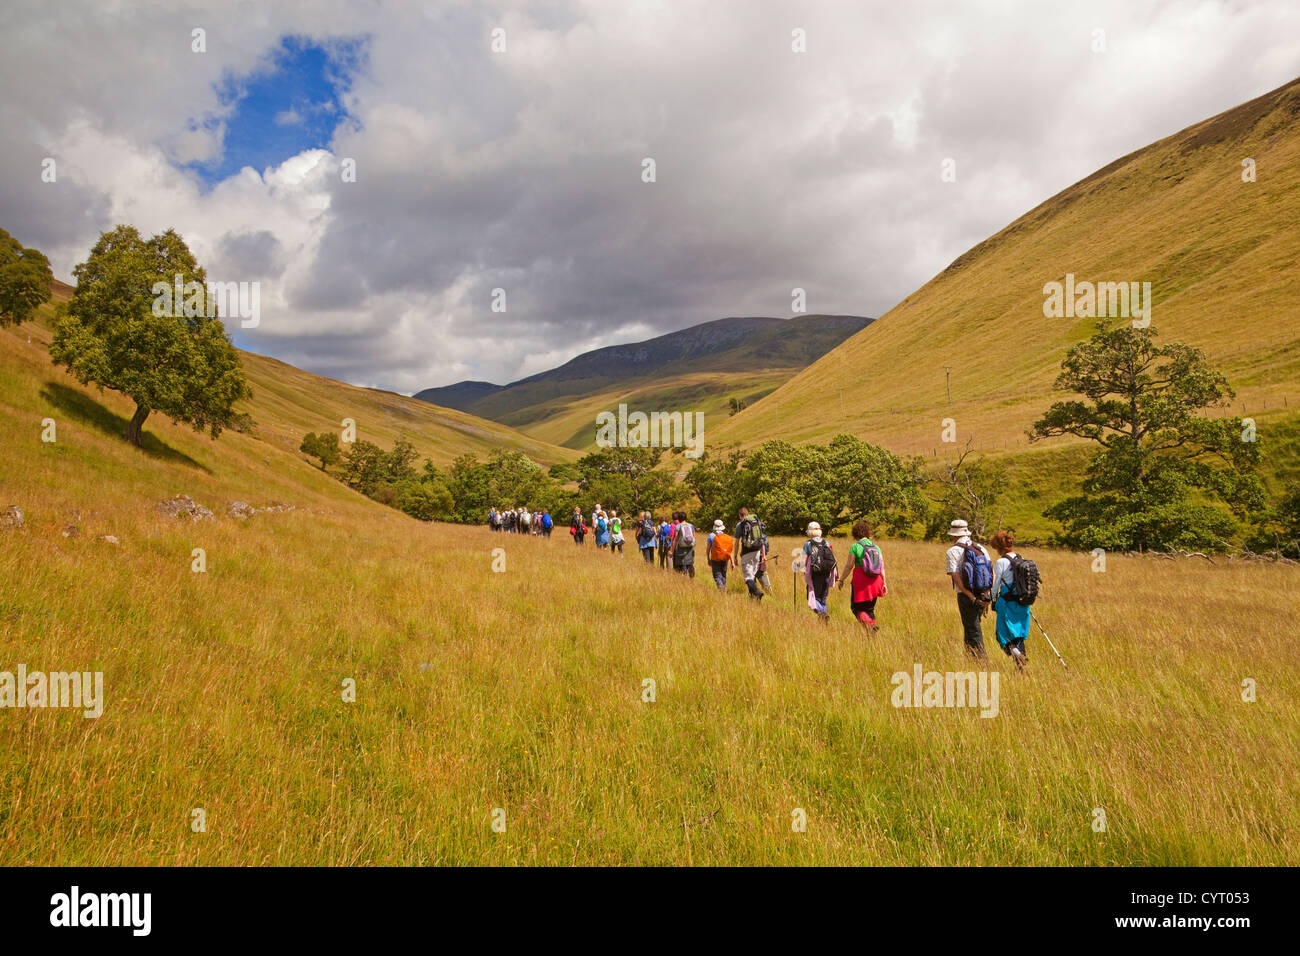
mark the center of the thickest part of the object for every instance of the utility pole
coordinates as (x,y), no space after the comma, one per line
(947,372)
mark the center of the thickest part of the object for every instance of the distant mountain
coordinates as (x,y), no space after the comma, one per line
(693,369)
(459,396)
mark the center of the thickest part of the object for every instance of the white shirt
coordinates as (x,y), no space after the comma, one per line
(1002,573)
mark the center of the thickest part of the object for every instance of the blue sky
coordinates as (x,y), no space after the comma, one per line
(292,103)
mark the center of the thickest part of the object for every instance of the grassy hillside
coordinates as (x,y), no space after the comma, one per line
(699,369)
(522,690)
(1220,254)
(287,402)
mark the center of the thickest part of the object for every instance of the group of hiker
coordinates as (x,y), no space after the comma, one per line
(521,521)
(671,540)
(1008,585)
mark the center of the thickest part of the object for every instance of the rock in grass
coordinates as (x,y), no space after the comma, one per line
(183,506)
(109,539)
(12,517)
(240,509)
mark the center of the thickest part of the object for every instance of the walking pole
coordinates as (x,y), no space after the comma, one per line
(1051,645)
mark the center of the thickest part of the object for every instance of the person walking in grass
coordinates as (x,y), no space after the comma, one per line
(546,523)
(615,532)
(867,581)
(748,552)
(665,535)
(968,566)
(577,527)
(819,570)
(1013,617)
(646,533)
(683,545)
(762,577)
(719,546)
(600,526)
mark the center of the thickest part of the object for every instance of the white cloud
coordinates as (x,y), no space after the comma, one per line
(522,170)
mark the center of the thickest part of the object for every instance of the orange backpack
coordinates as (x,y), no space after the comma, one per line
(722,545)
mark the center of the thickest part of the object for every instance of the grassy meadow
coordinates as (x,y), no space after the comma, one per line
(522,690)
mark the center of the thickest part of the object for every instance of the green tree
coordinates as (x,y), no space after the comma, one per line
(25,279)
(425,498)
(324,446)
(625,478)
(1161,469)
(117,333)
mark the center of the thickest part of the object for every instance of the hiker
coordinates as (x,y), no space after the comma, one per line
(720,546)
(646,533)
(600,524)
(547,522)
(1013,611)
(971,572)
(492,519)
(525,520)
(665,542)
(749,545)
(868,578)
(819,571)
(577,527)
(683,545)
(615,532)
(761,576)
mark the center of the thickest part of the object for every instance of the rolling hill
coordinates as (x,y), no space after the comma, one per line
(679,370)
(287,402)
(1220,254)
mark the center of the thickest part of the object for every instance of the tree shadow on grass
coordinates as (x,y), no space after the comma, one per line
(81,407)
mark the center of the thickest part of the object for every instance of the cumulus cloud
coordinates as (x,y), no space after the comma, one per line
(521,170)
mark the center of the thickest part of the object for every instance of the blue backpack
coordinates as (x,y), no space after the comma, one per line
(600,525)
(546,522)
(977,573)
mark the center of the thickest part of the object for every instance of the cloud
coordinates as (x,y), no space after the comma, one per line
(521,170)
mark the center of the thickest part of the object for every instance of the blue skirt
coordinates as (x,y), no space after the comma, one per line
(1013,621)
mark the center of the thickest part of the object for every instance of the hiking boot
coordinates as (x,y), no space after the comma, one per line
(1019,657)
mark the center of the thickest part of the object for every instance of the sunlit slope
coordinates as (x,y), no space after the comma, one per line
(1221,255)
(572,422)
(288,402)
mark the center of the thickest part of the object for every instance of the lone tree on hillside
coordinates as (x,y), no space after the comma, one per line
(25,279)
(177,360)
(324,446)
(1160,468)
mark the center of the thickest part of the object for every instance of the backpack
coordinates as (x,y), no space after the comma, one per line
(821,559)
(977,573)
(872,562)
(1024,581)
(751,535)
(647,530)
(685,535)
(600,525)
(546,522)
(722,547)
(665,532)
